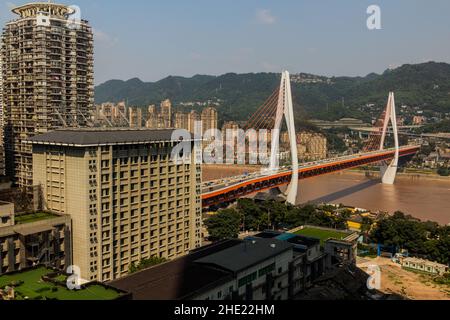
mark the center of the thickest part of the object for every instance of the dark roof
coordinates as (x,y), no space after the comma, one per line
(95,137)
(178,279)
(246,254)
(266,235)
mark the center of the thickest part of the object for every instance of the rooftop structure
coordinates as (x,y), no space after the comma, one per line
(33,9)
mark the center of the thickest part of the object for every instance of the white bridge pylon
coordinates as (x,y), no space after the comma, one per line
(285,109)
(389,170)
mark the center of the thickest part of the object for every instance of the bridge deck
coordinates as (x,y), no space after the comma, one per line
(236,187)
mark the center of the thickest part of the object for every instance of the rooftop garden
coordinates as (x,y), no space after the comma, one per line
(44,284)
(321,234)
(33,217)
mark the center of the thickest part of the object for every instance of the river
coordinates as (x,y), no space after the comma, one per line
(424,198)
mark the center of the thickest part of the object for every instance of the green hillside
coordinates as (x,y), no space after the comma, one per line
(426,85)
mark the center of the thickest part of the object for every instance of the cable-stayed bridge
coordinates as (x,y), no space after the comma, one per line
(270,116)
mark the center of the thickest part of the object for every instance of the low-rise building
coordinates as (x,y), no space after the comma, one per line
(35,238)
(259,269)
(341,252)
(424,266)
(308,261)
(254,269)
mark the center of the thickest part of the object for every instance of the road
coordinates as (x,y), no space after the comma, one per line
(216,185)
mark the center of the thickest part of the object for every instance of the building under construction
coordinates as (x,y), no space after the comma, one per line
(47,68)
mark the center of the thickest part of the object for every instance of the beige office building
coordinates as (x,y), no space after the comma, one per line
(128,201)
(47,78)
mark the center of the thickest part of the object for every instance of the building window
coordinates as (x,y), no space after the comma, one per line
(262,272)
(247,280)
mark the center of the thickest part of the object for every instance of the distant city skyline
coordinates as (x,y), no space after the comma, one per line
(154,39)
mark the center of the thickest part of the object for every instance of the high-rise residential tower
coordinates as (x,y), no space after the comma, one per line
(193,117)
(210,119)
(47,77)
(166,114)
(152,119)
(181,121)
(2,127)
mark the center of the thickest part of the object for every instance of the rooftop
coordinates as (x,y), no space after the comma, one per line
(102,137)
(31,285)
(267,235)
(424,262)
(300,243)
(33,217)
(246,254)
(178,279)
(322,234)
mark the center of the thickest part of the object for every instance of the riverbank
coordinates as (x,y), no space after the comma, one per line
(409,175)
(425,197)
(215,172)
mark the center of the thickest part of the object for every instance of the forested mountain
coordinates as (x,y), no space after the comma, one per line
(426,85)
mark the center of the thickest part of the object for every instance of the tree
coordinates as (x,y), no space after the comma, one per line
(400,231)
(251,213)
(444,171)
(366,225)
(145,263)
(426,239)
(224,225)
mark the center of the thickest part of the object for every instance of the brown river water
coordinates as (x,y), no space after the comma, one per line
(424,198)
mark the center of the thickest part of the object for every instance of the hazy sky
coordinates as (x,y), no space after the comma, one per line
(152,39)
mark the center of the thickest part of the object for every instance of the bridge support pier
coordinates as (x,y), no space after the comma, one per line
(286,109)
(389,170)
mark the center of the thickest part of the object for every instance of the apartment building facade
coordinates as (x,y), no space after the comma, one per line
(47,68)
(135,117)
(128,201)
(210,119)
(2,126)
(165,121)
